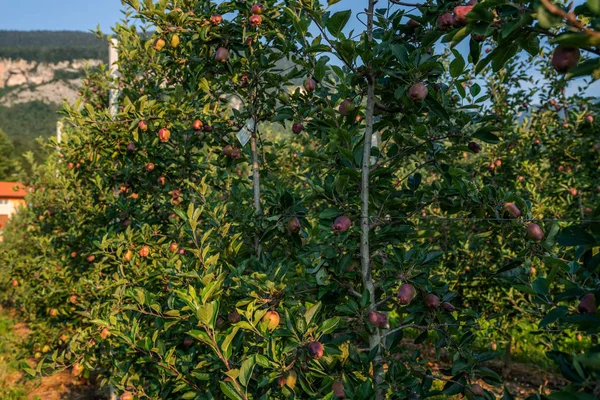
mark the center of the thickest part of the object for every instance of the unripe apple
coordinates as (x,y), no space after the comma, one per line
(174,40)
(512,209)
(222,55)
(412,24)
(346,107)
(216,19)
(406,294)
(378,319)
(126,396)
(281,381)
(63,337)
(445,21)
(164,135)
(476,389)
(474,147)
(291,379)
(587,305)
(310,85)
(173,247)
(418,92)
(431,301)
(448,306)
(315,349)
(128,255)
(272,320)
(145,251)
(255,20)
(341,224)
(14,283)
(197,125)
(565,58)
(234,317)
(77,369)
(579,337)
(37,355)
(534,232)
(338,389)
(158,45)
(257,8)
(143,126)
(104,333)
(45,349)
(297,127)
(460,14)
(293,226)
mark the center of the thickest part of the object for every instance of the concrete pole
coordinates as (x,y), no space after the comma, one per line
(113,58)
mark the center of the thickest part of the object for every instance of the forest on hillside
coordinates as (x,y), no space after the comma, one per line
(51,46)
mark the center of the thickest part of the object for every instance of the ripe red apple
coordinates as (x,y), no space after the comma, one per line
(477,389)
(431,301)
(128,255)
(144,251)
(216,19)
(346,107)
(573,192)
(297,127)
(341,224)
(14,283)
(164,135)
(565,58)
(197,125)
(588,210)
(445,22)
(474,147)
(73,299)
(161,180)
(412,24)
(234,317)
(534,232)
(255,20)
(272,319)
(143,126)
(448,306)
(293,226)
(257,8)
(418,92)
(173,247)
(236,153)
(53,312)
(587,305)
(281,381)
(131,147)
(338,389)
(227,150)
(310,85)
(589,118)
(478,38)
(378,319)
(77,369)
(315,349)
(149,167)
(460,14)
(222,55)
(90,258)
(207,128)
(406,294)
(512,209)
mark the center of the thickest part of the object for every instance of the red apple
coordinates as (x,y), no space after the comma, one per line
(164,135)
(565,58)
(310,85)
(460,14)
(341,224)
(255,20)
(445,22)
(216,19)
(222,55)
(587,305)
(534,232)
(143,126)
(431,301)
(315,349)
(257,8)
(406,294)
(418,92)
(272,320)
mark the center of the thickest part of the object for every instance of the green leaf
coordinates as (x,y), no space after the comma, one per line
(594,6)
(553,315)
(336,23)
(246,370)
(457,66)
(229,391)
(485,134)
(329,325)
(311,312)
(575,236)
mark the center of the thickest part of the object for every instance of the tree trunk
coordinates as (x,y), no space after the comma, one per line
(365,255)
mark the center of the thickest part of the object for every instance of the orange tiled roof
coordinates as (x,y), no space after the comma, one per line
(7,190)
